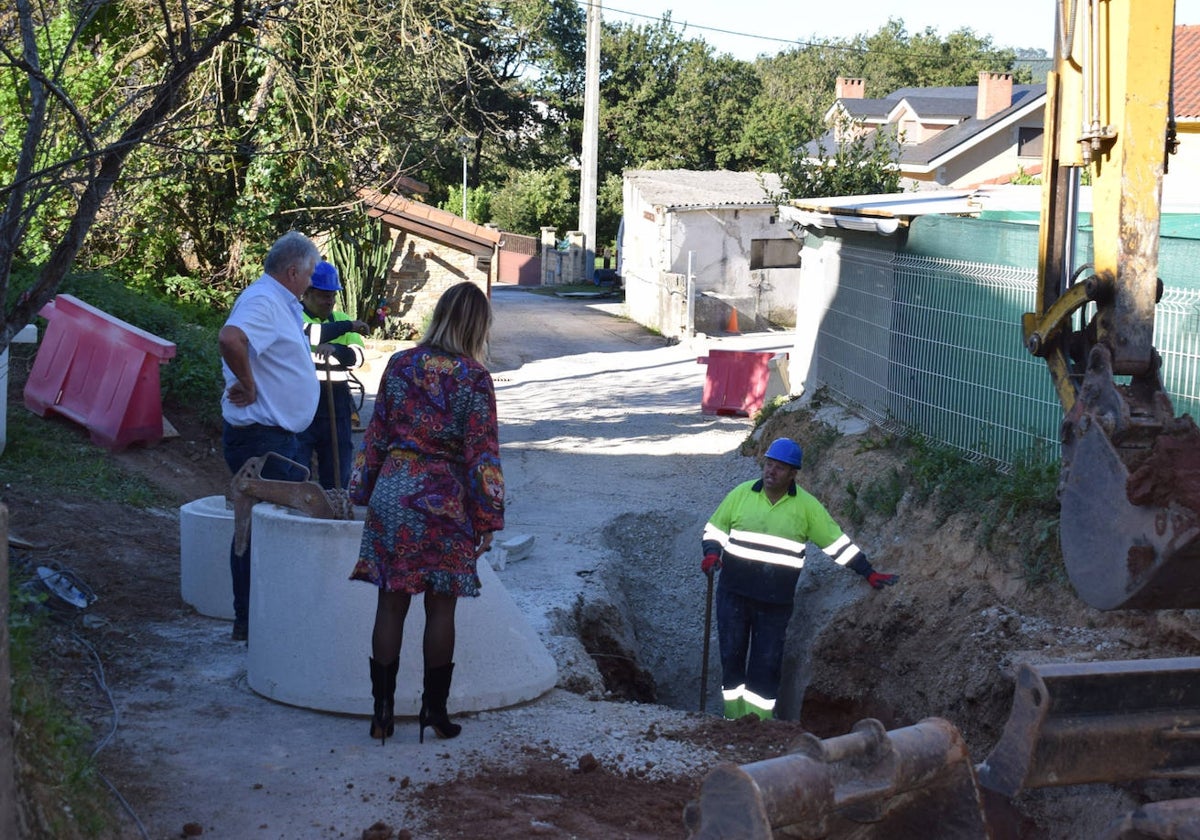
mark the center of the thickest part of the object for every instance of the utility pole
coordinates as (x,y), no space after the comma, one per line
(591,131)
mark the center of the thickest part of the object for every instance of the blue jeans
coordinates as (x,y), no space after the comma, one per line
(239,445)
(751,634)
(318,438)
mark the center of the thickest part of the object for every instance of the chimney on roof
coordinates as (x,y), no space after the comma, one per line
(995,94)
(848,88)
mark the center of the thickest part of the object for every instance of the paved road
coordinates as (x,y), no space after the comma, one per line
(529,327)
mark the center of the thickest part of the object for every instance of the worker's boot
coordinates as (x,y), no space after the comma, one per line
(383,689)
(433,703)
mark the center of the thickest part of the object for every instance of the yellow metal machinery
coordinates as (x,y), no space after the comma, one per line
(1130,484)
(1129,493)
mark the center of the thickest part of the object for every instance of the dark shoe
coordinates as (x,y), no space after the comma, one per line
(241,631)
(383,690)
(433,704)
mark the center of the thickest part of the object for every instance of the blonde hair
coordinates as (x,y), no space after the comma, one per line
(460,322)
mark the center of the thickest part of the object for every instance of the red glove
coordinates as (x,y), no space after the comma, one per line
(878,580)
(710,563)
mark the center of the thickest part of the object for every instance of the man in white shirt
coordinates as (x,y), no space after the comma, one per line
(271,388)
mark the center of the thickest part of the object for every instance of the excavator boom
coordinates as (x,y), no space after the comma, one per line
(1130,482)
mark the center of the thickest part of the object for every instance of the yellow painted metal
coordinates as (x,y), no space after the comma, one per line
(1130,525)
(1116,81)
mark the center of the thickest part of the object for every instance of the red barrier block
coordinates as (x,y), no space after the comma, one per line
(736,383)
(100,372)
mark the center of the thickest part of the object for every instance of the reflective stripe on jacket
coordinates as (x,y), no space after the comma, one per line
(339,369)
(764,544)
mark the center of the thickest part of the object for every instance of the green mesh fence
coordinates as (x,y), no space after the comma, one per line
(929,337)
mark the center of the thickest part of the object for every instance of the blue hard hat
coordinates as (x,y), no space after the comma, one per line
(785,450)
(325,277)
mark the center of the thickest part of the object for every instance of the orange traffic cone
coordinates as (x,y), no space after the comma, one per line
(732,326)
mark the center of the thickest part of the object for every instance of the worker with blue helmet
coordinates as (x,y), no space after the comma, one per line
(757,538)
(337,349)
(325,277)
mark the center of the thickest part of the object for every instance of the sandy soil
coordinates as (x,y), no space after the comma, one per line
(612,467)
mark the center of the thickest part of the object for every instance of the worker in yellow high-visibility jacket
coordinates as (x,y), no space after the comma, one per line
(757,537)
(337,348)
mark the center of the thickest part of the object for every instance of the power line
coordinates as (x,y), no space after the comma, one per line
(793,42)
(685,24)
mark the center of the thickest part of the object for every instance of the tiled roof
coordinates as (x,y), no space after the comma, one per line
(964,131)
(939,107)
(683,188)
(865,108)
(430,222)
(952,92)
(1187,72)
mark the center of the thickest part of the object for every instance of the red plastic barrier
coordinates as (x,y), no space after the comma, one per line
(100,372)
(736,383)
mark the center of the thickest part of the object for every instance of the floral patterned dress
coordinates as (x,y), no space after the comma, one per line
(429,472)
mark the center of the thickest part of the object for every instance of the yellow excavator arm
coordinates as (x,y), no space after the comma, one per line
(1130,484)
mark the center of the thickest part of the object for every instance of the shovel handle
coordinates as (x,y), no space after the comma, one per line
(707,633)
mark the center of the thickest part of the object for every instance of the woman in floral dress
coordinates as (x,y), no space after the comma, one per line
(429,472)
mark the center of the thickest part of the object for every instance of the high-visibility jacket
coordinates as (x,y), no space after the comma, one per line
(763,544)
(348,345)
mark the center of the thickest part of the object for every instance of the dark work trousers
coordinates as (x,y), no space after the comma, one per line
(751,636)
(319,439)
(240,444)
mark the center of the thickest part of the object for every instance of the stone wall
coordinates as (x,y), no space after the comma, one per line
(563,260)
(420,270)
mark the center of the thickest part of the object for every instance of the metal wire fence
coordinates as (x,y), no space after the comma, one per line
(934,346)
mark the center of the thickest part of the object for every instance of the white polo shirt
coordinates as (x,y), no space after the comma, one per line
(284,376)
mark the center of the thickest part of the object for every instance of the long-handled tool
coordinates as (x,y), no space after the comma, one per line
(707,633)
(333,435)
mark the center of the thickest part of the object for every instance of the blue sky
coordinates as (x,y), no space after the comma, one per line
(1011,23)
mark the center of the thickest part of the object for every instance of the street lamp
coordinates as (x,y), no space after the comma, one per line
(464,144)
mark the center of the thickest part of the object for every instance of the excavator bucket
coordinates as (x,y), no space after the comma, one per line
(1084,722)
(1130,495)
(248,488)
(867,785)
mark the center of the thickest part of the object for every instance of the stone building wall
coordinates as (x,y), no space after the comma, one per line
(420,270)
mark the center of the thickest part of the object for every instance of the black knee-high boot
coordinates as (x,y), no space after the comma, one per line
(383,689)
(433,703)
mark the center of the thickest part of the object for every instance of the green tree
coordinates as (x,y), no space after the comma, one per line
(334,96)
(530,200)
(89,85)
(187,153)
(519,99)
(891,58)
(863,163)
(795,90)
(683,115)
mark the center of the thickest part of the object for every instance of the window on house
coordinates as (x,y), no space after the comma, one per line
(774,253)
(1029,142)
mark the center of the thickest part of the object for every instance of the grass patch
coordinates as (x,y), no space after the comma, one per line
(1014,506)
(62,791)
(880,497)
(58,458)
